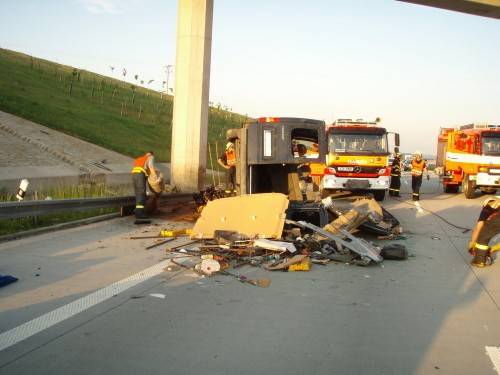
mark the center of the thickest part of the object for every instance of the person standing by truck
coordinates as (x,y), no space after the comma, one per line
(395,174)
(228,161)
(418,167)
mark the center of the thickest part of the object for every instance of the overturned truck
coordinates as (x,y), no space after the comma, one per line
(274,153)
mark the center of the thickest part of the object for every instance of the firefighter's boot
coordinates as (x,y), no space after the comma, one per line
(481,258)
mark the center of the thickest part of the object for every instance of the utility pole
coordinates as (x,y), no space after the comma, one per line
(168,70)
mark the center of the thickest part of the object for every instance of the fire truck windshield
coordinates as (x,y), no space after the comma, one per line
(491,145)
(358,143)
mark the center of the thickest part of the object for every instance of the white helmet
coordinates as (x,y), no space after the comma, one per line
(229,145)
(417,153)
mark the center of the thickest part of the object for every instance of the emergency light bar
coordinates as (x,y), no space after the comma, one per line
(350,122)
(268,119)
(478,126)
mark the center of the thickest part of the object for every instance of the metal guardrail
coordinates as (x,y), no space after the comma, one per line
(12,210)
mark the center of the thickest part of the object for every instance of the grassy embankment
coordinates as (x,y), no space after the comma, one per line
(108,112)
(117,115)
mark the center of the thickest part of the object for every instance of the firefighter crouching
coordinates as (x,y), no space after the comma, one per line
(487,227)
(395,174)
(228,161)
(143,168)
(418,167)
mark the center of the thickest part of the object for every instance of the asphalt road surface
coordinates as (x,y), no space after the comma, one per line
(91,301)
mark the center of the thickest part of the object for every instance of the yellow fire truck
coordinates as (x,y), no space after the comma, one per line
(470,157)
(358,157)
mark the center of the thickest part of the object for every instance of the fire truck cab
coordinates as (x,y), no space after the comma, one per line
(358,157)
(472,158)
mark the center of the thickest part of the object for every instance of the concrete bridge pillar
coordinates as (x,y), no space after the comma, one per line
(192,82)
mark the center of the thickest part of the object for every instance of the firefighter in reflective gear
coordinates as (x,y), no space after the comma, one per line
(487,227)
(395,174)
(418,167)
(143,167)
(228,161)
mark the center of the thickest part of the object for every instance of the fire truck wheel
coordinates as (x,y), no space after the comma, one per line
(451,189)
(468,187)
(379,195)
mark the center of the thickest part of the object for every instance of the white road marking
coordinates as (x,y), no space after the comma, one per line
(28,329)
(419,208)
(494,354)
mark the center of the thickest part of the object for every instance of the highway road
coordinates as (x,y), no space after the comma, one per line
(91,301)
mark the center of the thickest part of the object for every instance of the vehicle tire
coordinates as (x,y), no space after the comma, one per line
(379,195)
(468,187)
(451,189)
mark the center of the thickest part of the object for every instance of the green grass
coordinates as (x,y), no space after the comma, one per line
(99,109)
(8,226)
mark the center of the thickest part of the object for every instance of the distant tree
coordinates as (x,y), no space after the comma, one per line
(74,73)
(162,89)
(115,88)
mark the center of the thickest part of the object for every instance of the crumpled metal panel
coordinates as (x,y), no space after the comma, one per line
(255,215)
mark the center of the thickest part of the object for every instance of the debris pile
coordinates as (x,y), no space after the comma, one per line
(209,194)
(258,230)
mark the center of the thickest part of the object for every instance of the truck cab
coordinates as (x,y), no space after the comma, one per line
(358,157)
(472,158)
(274,153)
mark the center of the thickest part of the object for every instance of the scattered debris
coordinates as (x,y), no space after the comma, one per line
(6,280)
(161,243)
(263,283)
(267,231)
(158,295)
(142,221)
(275,245)
(394,252)
(208,266)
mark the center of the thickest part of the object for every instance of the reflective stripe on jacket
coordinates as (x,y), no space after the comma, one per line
(139,165)
(417,168)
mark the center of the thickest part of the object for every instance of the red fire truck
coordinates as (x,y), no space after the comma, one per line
(469,156)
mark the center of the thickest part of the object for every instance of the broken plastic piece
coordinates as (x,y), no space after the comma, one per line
(275,245)
(286,263)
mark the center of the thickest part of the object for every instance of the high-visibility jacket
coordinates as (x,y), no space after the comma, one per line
(417,167)
(230,158)
(140,165)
